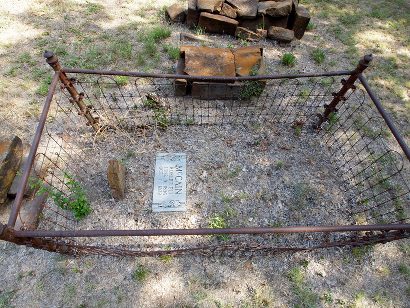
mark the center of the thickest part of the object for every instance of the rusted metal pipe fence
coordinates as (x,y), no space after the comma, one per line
(353,127)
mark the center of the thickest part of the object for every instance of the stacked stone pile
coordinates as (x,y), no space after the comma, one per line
(280,20)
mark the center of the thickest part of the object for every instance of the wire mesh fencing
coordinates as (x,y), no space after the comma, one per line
(360,169)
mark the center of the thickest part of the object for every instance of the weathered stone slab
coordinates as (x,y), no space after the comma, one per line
(215,90)
(302,19)
(245,8)
(247,60)
(180,87)
(183,36)
(210,6)
(9,166)
(246,34)
(281,34)
(274,8)
(192,16)
(206,61)
(264,22)
(30,212)
(228,11)
(116,179)
(262,32)
(28,191)
(213,23)
(175,13)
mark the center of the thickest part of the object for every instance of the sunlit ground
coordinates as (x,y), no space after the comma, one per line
(108,35)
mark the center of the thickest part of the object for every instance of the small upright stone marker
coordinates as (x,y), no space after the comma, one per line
(116,179)
(9,166)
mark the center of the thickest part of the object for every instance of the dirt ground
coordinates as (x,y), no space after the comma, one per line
(109,35)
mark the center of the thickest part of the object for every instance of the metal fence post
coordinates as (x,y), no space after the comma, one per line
(7,234)
(347,85)
(77,97)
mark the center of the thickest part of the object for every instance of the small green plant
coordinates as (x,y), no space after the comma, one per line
(166,258)
(158,33)
(44,85)
(297,130)
(160,118)
(234,173)
(404,270)
(304,93)
(318,55)
(296,275)
(328,298)
(305,296)
(381,298)
(199,31)
(172,51)
(252,88)
(189,122)
(333,118)
(304,263)
(75,200)
(279,165)
(360,252)
(226,198)
(303,195)
(230,46)
(288,59)
(218,221)
(121,80)
(160,114)
(140,273)
(93,8)
(310,26)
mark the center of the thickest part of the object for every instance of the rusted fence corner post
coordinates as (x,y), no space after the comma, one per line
(347,85)
(7,234)
(76,97)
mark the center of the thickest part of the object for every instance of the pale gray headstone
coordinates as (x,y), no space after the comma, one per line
(169,183)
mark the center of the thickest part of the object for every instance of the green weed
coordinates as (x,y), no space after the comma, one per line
(161,118)
(360,252)
(304,93)
(166,258)
(172,51)
(310,26)
(253,88)
(318,55)
(288,59)
(297,130)
(44,85)
(296,275)
(279,165)
(199,31)
(218,221)
(122,49)
(328,298)
(404,270)
(5,298)
(121,80)
(158,33)
(303,194)
(305,296)
(75,200)
(226,198)
(93,8)
(140,273)
(234,173)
